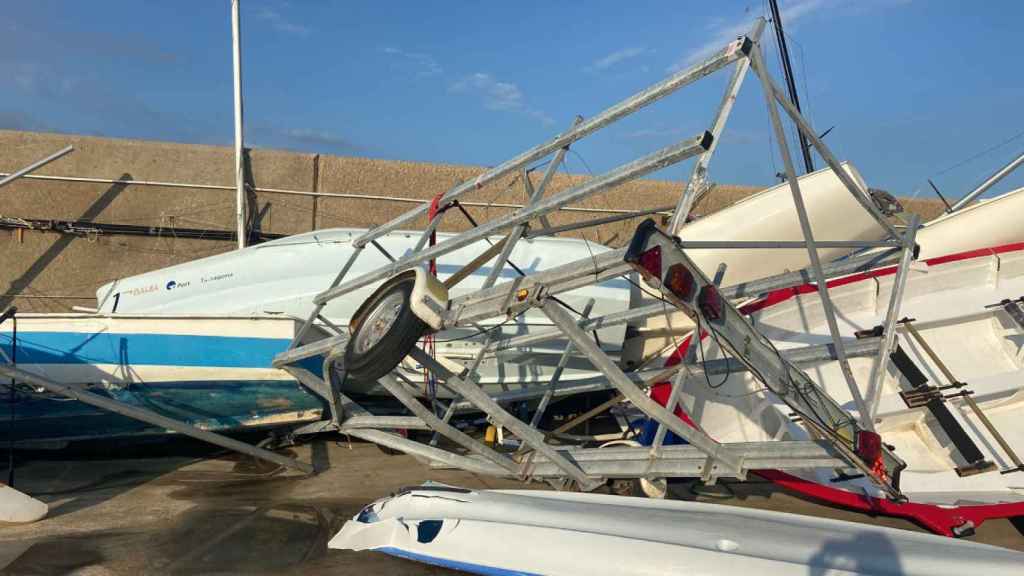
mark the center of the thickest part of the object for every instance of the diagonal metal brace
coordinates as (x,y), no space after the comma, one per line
(390,384)
(634,394)
(531,436)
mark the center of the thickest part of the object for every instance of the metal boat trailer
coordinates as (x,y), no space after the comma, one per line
(843,442)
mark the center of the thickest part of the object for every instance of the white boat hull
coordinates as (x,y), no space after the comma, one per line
(992,222)
(834,214)
(543,532)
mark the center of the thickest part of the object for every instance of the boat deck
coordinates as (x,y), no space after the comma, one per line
(165,510)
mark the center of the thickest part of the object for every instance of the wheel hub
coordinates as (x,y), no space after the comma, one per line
(379,322)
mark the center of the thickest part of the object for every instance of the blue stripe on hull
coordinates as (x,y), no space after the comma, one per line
(144,349)
(215,405)
(453,564)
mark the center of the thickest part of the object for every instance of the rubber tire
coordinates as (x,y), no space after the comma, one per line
(386,355)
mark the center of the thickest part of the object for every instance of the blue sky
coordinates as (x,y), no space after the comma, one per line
(914,89)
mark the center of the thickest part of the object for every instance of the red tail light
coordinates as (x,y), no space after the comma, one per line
(650,261)
(679,281)
(710,302)
(869,446)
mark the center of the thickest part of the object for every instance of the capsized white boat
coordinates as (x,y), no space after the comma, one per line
(963,349)
(543,532)
(989,222)
(834,214)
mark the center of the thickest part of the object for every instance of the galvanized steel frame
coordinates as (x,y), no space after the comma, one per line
(586,467)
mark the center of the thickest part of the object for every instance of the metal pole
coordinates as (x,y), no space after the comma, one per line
(812,250)
(557,374)
(452,433)
(860,195)
(990,182)
(286,192)
(799,277)
(602,362)
(889,330)
(534,438)
(673,401)
(1018,465)
(535,196)
(414,448)
(744,290)
(236,59)
(33,166)
(153,418)
(787,71)
(12,396)
(912,330)
(778,244)
(553,230)
(316,309)
(698,176)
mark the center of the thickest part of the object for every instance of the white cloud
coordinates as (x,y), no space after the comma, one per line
(614,58)
(724,31)
(320,138)
(280,23)
(425,63)
(497,95)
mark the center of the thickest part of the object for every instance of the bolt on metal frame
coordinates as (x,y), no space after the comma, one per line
(585,466)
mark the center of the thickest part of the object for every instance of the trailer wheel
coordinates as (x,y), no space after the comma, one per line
(384,332)
(655,487)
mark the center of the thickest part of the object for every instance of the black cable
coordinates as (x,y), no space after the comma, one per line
(580,158)
(518,270)
(803,393)
(483,331)
(703,359)
(980,154)
(645,290)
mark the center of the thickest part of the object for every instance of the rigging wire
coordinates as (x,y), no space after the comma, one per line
(482,331)
(979,154)
(703,358)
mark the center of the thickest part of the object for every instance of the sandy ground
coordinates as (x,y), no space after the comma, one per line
(180,509)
